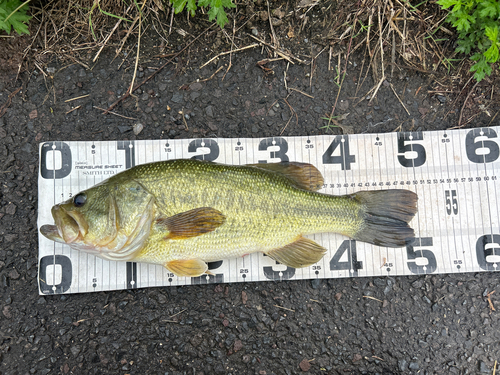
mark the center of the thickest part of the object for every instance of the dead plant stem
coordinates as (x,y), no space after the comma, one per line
(127,94)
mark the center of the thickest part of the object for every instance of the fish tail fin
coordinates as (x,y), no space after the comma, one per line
(386,214)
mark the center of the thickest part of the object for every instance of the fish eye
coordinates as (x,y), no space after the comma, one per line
(79,200)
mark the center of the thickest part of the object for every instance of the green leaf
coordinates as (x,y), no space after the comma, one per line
(178,5)
(445,4)
(13,15)
(489,9)
(191,7)
(462,24)
(217,11)
(492,33)
(491,54)
(482,68)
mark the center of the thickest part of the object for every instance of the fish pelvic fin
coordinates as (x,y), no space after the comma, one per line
(187,267)
(301,253)
(302,175)
(386,214)
(191,223)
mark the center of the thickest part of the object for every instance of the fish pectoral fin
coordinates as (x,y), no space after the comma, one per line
(187,267)
(192,223)
(301,253)
(303,175)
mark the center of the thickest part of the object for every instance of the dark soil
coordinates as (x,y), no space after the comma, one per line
(439,324)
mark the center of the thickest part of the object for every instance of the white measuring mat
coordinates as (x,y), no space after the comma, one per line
(455,174)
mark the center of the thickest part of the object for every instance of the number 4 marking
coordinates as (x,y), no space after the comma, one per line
(345,159)
(352,264)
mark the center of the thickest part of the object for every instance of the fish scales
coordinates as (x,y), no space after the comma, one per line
(184,213)
(263,210)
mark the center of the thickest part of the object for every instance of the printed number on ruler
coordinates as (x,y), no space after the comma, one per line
(481,147)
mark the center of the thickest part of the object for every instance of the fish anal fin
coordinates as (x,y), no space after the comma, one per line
(303,175)
(301,253)
(187,267)
(191,223)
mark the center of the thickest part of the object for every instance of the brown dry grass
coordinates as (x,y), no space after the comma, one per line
(394,35)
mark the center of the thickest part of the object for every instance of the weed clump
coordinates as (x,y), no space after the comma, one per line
(477,23)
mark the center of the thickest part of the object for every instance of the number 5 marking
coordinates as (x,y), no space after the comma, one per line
(451,204)
(419,256)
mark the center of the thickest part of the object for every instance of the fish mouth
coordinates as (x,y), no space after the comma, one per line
(69,226)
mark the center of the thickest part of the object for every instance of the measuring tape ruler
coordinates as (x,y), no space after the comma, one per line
(455,174)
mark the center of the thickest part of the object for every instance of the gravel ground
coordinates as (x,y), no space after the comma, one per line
(435,324)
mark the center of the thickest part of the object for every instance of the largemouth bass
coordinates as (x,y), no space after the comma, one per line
(184,213)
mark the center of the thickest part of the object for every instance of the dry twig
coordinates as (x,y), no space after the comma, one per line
(112,106)
(229,52)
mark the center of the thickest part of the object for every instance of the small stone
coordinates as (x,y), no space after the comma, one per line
(33,114)
(138,128)
(13,274)
(6,312)
(343,105)
(162,86)
(255,129)
(418,283)
(10,209)
(338,296)
(10,237)
(209,111)
(357,357)
(315,283)
(197,86)
(305,365)
(423,111)
(369,117)
(75,349)
(441,98)
(414,366)
(244,297)
(483,368)
(196,340)
(402,364)
(124,128)
(177,97)
(238,345)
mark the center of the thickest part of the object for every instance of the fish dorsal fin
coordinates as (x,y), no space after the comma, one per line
(303,175)
(301,253)
(191,223)
(187,267)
